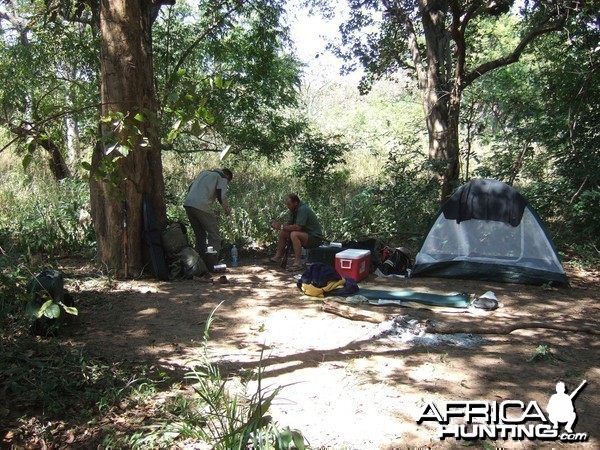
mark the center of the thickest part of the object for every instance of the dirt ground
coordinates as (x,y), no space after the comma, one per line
(347,384)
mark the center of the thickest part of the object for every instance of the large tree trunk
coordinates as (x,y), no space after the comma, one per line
(441,113)
(126,73)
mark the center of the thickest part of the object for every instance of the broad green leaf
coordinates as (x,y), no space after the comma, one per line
(298,440)
(285,438)
(70,309)
(172,135)
(196,128)
(139,117)
(52,311)
(209,117)
(32,310)
(42,310)
(27,160)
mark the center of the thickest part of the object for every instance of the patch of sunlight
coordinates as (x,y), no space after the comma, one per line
(148,311)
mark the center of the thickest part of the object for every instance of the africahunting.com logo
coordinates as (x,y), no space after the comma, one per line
(509,419)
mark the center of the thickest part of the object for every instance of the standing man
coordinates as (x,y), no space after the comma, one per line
(302,228)
(208,186)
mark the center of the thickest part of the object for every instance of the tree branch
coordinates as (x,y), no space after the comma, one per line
(28,128)
(397,12)
(499,328)
(517,52)
(469,14)
(10,143)
(186,53)
(579,191)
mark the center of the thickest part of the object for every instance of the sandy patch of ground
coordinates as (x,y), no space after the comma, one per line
(346,384)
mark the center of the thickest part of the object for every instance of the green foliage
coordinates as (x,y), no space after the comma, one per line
(13,295)
(41,216)
(223,73)
(535,123)
(316,158)
(225,76)
(21,305)
(48,68)
(396,206)
(542,353)
(188,107)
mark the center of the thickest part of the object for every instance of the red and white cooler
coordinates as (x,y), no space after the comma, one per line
(353,263)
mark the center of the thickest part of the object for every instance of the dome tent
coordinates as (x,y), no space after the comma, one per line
(488,231)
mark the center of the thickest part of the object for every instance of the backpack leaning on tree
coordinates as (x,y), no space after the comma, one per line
(183,261)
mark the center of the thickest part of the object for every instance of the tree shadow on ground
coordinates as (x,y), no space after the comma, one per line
(261,312)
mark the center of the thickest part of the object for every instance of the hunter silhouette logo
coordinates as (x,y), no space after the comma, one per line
(509,419)
(560,407)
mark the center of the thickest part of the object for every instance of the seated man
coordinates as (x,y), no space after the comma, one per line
(302,228)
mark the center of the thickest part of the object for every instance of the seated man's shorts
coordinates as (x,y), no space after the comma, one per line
(313,242)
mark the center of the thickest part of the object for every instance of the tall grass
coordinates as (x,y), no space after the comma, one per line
(40,215)
(394,206)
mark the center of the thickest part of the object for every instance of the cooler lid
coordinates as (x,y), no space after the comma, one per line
(352,253)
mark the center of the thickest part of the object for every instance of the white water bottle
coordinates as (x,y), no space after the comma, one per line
(304,256)
(234,256)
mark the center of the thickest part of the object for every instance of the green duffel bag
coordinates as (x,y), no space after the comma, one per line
(174,239)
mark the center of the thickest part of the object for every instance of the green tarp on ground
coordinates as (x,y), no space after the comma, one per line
(454,300)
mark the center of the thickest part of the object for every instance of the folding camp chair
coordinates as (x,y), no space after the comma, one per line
(286,253)
(288,245)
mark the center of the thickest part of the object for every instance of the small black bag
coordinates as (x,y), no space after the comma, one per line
(395,261)
(49,285)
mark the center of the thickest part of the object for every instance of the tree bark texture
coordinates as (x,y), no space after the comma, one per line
(58,165)
(435,69)
(441,113)
(126,73)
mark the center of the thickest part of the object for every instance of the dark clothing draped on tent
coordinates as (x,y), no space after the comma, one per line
(486,200)
(488,231)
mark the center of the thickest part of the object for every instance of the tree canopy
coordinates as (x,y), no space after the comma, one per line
(445,45)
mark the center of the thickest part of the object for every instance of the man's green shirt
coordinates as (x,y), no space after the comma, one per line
(307,219)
